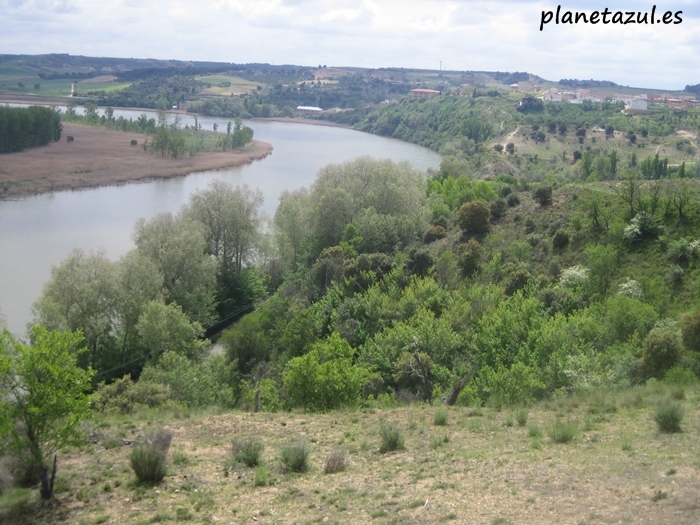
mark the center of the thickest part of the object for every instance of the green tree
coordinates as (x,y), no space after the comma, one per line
(325,378)
(232,221)
(165,328)
(290,226)
(178,248)
(474,217)
(80,295)
(43,396)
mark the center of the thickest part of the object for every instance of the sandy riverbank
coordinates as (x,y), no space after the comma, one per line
(103,157)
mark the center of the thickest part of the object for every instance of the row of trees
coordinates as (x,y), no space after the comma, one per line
(22,128)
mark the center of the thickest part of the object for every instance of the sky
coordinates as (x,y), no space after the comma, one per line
(426,34)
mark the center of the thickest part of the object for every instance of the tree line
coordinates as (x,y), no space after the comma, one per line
(22,128)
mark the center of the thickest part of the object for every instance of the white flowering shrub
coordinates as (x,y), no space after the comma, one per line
(641,226)
(630,288)
(574,276)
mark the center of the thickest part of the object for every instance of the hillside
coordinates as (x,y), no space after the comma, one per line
(459,465)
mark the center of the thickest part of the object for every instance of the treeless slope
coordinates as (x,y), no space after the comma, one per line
(99,157)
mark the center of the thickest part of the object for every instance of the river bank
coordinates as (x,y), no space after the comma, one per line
(103,157)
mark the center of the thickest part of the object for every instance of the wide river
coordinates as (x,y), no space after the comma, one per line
(37,232)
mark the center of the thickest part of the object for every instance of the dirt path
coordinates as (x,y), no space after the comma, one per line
(510,136)
(104,157)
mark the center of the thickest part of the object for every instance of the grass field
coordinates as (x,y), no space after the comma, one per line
(227,85)
(458,465)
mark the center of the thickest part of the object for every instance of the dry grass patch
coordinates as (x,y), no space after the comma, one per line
(475,476)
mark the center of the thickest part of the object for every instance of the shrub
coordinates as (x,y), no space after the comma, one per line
(510,386)
(498,208)
(677,375)
(505,191)
(440,417)
(391,436)
(468,255)
(562,431)
(474,217)
(574,277)
(335,462)
(642,226)
(247,450)
(262,477)
(434,233)
(149,459)
(690,328)
(513,200)
(521,417)
(534,431)
(560,240)
(661,350)
(543,195)
(668,417)
(530,225)
(517,281)
(630,288)
(295,456)
(325,378)
(124,395)
(374,386)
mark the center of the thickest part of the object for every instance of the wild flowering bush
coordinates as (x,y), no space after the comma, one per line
(641,226)
(574,276)
(630,288)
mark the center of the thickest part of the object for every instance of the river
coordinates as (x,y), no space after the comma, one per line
(37,232)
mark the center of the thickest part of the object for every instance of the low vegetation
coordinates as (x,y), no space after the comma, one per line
(506,467)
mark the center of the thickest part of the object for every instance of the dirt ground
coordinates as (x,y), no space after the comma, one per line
(102,157)
(481,467)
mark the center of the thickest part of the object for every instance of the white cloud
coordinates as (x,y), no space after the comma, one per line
(490,35)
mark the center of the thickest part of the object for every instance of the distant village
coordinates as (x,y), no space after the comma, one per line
(633,103)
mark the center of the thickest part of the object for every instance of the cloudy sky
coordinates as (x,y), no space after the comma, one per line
(462,34)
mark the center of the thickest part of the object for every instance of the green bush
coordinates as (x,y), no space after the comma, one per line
(510,386)
(562,431)
(642,226)
(295,456)
(560,240)
(499,208)
(521,417)
(690,327)
(517,281)
(661,350)
(468,255)
(248,450)
(440,418)
(513,200)
(326,377)
(269,395)
(212,381)
(262,477)
(543,195)
(668,417)
(149,459)
(474,217)
(391,436)
(677,375)
(434,233)
(124,395)
(534,431)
